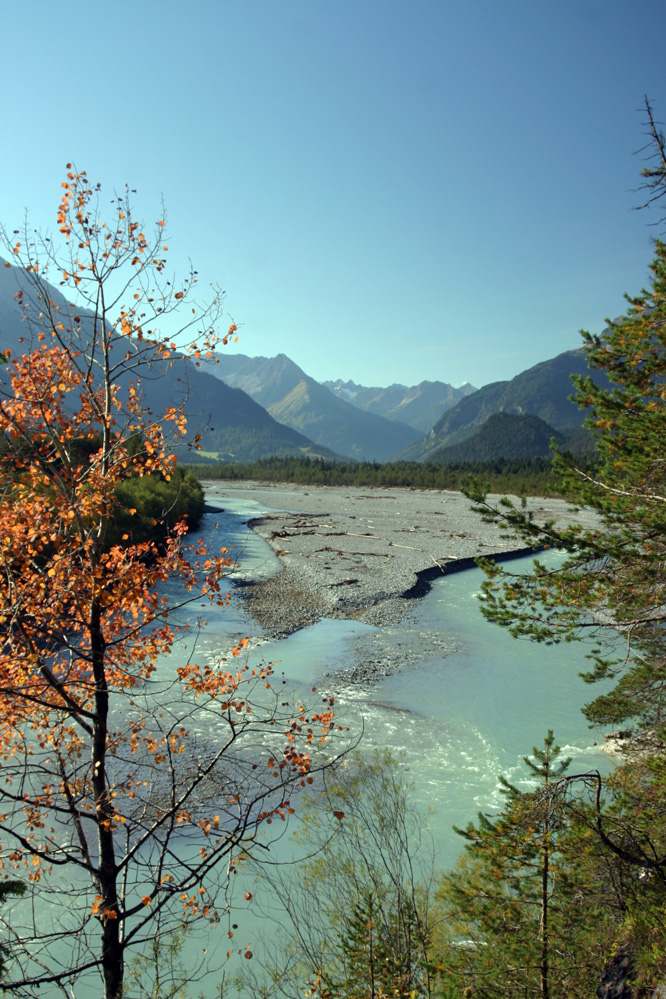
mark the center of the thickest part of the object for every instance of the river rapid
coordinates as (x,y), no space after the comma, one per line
(457,698)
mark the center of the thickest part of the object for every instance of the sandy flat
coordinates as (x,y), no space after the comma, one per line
(354,552)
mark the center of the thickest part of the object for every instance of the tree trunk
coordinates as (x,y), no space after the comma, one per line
(544,925)
(110,914)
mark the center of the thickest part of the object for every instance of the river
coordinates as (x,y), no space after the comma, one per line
(467,705)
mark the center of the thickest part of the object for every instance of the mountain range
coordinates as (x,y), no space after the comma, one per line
(297,400)
(419,406)
(542,391)
(249,408)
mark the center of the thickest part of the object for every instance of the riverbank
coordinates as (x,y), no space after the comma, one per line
(359,553)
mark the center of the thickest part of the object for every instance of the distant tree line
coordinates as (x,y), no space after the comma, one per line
(519,476)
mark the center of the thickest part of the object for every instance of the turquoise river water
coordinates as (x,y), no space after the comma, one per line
(457,718)
(466,710)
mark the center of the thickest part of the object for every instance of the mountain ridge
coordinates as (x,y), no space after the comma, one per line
(231,423)
(542,391)
(299,401)
(419,406)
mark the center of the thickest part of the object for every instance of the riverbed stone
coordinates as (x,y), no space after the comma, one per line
(360,553)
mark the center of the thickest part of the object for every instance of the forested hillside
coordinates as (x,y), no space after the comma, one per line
(542,391)
(503,435)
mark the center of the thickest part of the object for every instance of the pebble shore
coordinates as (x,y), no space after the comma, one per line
(367,554)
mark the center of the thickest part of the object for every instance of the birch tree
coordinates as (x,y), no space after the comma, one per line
(132,776)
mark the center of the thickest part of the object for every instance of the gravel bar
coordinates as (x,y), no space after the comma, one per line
(362,553)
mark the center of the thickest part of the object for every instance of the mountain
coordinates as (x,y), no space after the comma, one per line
(233,425)
(297,400)
(419,406)
(542,391)
(503,435)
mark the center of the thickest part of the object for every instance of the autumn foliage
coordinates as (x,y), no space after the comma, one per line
(132,775)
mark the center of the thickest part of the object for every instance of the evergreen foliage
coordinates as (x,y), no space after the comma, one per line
(513,928)
(612,586)
(564,877)
(611,591)
(522,476)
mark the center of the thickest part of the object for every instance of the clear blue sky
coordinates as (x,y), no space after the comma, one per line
(388,190)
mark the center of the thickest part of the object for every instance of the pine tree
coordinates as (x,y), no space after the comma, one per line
(611,591)
(510,933)
(612,584)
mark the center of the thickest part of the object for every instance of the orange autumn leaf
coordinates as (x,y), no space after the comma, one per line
(97,704)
